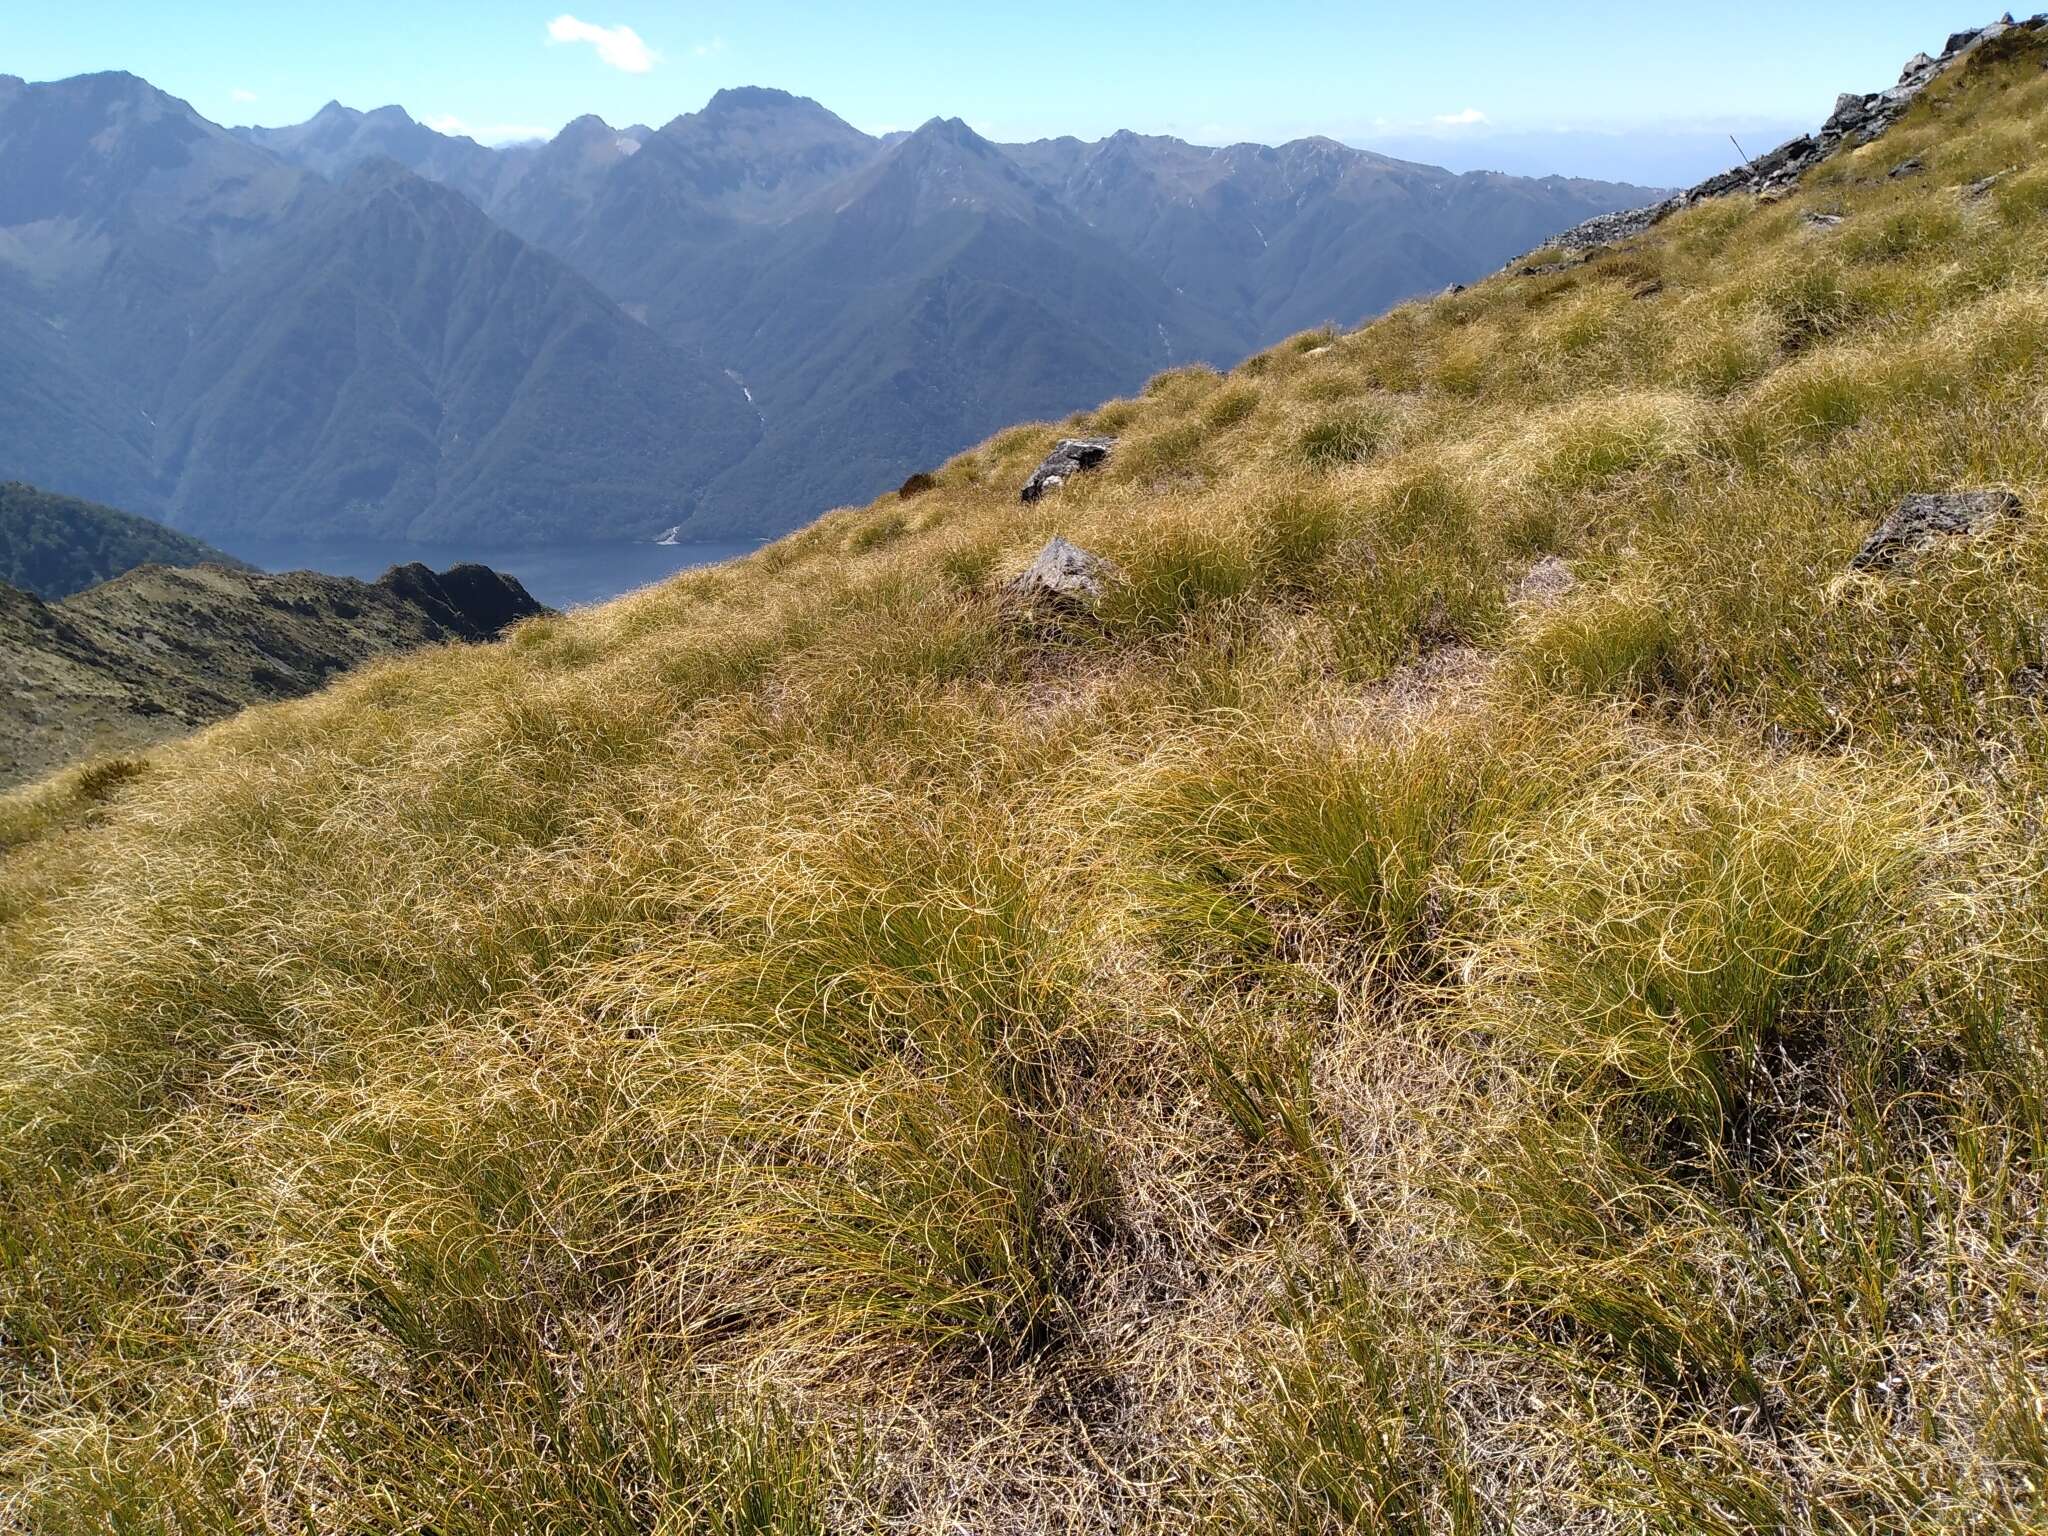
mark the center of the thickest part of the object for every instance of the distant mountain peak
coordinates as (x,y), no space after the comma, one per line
(757,109)
(587,129)
(955,132)
(754,98)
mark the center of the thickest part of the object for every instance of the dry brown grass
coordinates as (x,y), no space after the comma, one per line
(1333,1042)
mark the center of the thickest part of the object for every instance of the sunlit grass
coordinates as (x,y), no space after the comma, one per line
(1330,1040)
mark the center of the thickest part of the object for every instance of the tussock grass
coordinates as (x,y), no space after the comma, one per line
(1330,1041)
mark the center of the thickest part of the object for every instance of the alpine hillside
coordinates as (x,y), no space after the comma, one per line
(1443,931)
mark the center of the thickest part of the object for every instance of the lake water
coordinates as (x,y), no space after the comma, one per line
(560,575)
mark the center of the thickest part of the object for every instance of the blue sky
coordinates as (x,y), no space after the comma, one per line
(1594,87)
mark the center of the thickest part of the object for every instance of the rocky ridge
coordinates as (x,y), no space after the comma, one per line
(1857,118)
(161,650)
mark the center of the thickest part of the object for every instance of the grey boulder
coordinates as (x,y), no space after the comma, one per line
(1922,520)
(1063,576)
(1069,458)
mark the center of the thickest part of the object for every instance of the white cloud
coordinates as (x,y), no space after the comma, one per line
(621,47)
(241,96)
(707,50)
(1471,117)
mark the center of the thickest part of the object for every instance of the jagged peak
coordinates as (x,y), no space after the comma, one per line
(951,130)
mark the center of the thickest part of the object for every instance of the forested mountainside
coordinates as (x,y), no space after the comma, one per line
(54,546)
(357,327)
(213,337)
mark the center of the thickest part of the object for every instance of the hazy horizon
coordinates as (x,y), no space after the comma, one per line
(1606,93)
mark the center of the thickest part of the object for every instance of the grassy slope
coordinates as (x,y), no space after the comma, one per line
(796,1048)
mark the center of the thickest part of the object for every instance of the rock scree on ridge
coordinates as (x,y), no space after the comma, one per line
(1922,520)
(1858,117)
(1068,458)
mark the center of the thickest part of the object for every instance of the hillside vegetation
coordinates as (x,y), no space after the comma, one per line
(1375,1028)
(54,546)
(158,651)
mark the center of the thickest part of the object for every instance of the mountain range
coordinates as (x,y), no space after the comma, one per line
(358,326)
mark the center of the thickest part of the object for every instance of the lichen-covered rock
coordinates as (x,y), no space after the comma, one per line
(1922,520)
(1069,458)
(1062,576)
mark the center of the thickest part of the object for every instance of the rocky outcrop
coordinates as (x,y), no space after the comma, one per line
(469,602)
(1856,119)
(1062,576)
(1922,521)
(1069,458)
